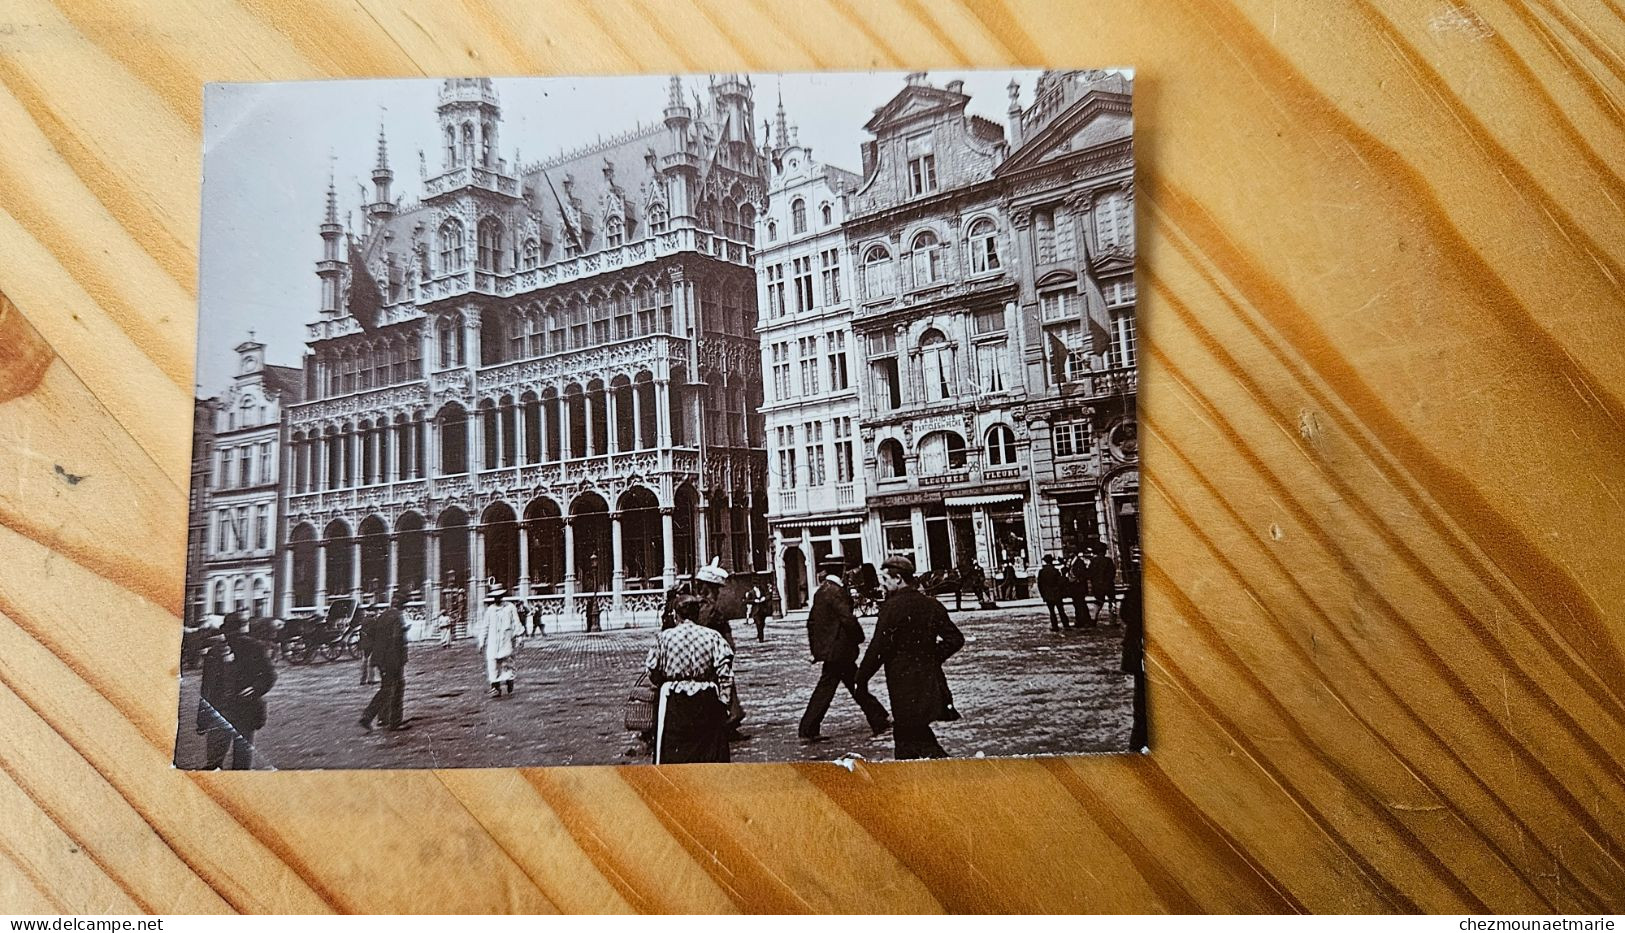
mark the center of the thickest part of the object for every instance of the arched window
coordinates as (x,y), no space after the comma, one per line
(453,255)
(937,366)
(451,147)
(827,213)
(892,464)
(772,232)
(984,247)
(940,452)
(531,255)
(657,219)
(468,143)
(490,237)
(487,132)
(879,279)
(747,223)
(798,216)
(446,338)
(614,233)
(927,258)
(1001,446)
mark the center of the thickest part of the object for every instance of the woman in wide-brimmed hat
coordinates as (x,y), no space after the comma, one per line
(499,629)
(692,666)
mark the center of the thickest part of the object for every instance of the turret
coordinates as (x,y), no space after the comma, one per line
(382,205)
(330,267)
(678,116)
(1015,112)
(469,120)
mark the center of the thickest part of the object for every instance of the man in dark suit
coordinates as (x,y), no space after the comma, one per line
(833,634)
(389,654)
(1052,589)
(912,640)
(1103,583)
(231,708)
(1078,580)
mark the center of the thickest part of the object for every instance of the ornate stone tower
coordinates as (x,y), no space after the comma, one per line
(330,268)
(469,118)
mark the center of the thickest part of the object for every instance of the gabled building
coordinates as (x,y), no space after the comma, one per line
(242,502)
(945,447)
(541,375)
(816,488)
(198,516)
(1068,186)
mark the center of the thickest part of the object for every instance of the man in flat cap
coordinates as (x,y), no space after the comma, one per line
(912,640)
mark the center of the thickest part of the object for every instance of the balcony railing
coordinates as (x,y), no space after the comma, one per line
(789,500)
(845,494)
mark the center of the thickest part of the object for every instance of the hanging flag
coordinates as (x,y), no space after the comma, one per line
(1097,318)
(567,215)
(1058,352)
(365,303)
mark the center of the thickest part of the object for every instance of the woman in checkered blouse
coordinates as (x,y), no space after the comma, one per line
(693,667)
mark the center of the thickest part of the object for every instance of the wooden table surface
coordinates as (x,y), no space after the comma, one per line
(1383,396)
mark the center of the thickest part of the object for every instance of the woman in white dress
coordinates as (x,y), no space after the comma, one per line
(499,630)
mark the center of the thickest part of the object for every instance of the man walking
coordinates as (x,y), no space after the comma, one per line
(389,654)
(1052,589)
(499,630)
(231,707)
(912,640)
(1078,579)
(833,634)
(1103,583)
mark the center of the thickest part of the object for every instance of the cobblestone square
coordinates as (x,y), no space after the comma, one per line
(1021,689)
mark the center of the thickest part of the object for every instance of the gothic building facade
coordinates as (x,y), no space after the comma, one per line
(1069,189)
(542,376)
(945,448)
(816,486)
(239,501)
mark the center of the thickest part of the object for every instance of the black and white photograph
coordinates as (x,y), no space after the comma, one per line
(665,419)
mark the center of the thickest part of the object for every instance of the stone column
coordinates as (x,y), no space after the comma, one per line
(638,440)
(393,569)
(476,565)
(565,453)
(613,435)
(592,438)
(355,458)
(569,567)
(501,431)
(355,566)
(287,581)
(321,572)
(702,533)
(431,572)
(662,413)
(618,579)
(521,434)
(668,537)
(545,420)
(524,559)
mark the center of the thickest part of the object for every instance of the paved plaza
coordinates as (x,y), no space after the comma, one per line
(1020,688)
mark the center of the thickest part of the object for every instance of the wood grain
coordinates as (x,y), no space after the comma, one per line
(1384,398)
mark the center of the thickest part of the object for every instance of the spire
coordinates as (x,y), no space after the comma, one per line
(383,151)
(332,215)
(781,136)
(674,94)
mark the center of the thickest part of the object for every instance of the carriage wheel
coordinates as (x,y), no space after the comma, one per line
(306,652)
(352,644)
(332,649)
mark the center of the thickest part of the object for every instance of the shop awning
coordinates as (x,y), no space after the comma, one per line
(818,520)
(963,502)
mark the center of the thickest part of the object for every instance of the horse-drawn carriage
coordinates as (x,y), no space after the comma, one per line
(335,635)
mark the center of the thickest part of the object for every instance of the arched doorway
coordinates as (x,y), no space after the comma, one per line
(337,541)
(410,555)
(683,521)
(589,524)
(453,548)
(795,578)
(303,545)
(500,530)
(643,546)
(544,535)
(374,536)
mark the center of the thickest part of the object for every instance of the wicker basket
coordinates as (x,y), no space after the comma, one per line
(640,705)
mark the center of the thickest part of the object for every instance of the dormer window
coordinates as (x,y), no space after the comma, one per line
(922,165)
(613,232)
(657,219)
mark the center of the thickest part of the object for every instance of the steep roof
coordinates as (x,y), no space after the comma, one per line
(287,383)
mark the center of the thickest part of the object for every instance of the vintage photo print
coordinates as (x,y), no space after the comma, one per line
(665,419)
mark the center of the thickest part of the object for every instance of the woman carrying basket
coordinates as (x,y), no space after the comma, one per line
(693,668)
